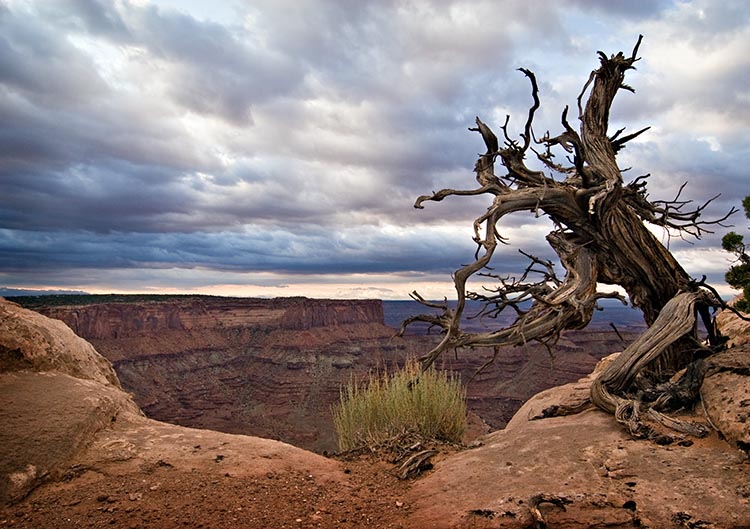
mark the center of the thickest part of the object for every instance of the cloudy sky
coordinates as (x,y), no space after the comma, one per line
(275,147)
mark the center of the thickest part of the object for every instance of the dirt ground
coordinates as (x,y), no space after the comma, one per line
(161,496)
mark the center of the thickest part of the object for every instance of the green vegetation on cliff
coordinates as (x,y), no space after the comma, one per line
(77,300)
(738,276)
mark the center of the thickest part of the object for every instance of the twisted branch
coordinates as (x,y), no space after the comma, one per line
(600,236)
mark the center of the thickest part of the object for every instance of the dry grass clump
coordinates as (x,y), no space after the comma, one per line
(429,405)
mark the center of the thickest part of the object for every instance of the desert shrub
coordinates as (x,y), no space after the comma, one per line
(430,405)
(738,276)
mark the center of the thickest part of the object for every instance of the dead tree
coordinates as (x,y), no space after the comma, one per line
(600,236)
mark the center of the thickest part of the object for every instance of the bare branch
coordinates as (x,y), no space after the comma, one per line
(600,236)
(634,56)
(526,135)
(620,144)
(490,140)
(671,213)
(443,193)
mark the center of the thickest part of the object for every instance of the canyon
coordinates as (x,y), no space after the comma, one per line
(274,367)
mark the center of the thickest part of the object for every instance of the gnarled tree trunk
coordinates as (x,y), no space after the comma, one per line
(600,236)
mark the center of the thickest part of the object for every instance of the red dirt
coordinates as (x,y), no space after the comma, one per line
(162,496)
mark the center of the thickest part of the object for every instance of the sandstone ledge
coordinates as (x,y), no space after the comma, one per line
(34,342)
(606,478)
(47,419)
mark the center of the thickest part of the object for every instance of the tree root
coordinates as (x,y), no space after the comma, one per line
(416,464)
(609,391)
(694,429)
(536,500)
(562,410)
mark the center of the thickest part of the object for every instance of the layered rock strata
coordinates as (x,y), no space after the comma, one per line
(274,368)
(263,367)
(64,415)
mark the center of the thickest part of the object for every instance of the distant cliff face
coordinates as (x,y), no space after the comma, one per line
(273,368)
(124,320)
(266,367)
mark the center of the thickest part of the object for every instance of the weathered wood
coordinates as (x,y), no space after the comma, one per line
(536,500)
(600,237)
(416,464)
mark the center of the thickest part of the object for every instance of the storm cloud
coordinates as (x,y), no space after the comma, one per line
(180,144)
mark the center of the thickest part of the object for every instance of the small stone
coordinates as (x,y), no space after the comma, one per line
(399,504)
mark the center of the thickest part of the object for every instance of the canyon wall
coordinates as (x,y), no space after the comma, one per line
(123,320)
(265,367)
(273,368)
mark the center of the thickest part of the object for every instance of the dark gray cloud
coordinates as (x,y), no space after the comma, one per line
(97,17)
(255,248)
(294,136)
(43,66)
(636,9)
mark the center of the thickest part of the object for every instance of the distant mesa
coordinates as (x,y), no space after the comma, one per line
(8,292)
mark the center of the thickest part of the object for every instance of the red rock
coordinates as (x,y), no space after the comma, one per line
(273,368)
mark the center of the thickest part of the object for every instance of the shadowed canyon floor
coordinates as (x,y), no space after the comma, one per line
(76,452)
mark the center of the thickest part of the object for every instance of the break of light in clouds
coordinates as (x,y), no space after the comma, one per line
(276,147)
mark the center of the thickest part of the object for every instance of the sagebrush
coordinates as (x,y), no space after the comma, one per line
(387,406)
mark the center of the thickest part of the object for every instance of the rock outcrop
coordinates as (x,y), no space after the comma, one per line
(583,470)
(48,418)
(57,393)
(738,330)
(64,413)
(31,341)
(727,398)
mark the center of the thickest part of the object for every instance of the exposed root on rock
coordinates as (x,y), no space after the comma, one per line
(536,514)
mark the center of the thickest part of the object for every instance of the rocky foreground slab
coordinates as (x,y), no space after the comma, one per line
(583,470)
(75,451)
